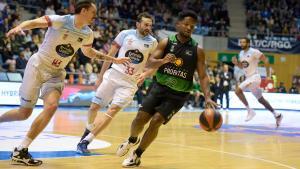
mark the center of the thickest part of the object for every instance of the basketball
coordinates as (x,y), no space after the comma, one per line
(210,120)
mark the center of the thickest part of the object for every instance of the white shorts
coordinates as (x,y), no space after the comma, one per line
(38,77)
(116,88)
(252,83)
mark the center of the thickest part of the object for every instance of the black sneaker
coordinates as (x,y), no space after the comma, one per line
(22,157)
(82,147)
(86,132)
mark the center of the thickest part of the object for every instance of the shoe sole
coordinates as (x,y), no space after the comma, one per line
(15,161)
(132,166)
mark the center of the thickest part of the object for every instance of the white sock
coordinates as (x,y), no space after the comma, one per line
(90,127)
(89,137)
(248,108)
(25,143)
(276,114)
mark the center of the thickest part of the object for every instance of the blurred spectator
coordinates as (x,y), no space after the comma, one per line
(21,61)
(225,77)
(281,88)
(294,89)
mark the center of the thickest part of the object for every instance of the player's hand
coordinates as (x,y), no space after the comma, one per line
(123,60)
(234,60)
(98,82)
(211,104)
(16,30)
(169,58)
(141,79)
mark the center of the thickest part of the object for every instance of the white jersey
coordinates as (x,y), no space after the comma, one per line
(62,40)
(137,48)
(250,60)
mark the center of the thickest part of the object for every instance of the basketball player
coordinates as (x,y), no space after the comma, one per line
(248,61)
(120,82)
(45,69)
(171,87)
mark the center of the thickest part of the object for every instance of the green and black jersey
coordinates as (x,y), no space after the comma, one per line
(178,75)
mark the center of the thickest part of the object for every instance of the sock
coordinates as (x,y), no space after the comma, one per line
(132,139)
(247,107)
(90,127)
(89,137)
(276,114)
(25,143)
(139,152)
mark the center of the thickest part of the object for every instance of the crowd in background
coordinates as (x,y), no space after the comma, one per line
(116,15)
(273,17)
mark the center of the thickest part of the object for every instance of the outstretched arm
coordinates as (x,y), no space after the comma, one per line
(93,53)
(204,81)
(42,22)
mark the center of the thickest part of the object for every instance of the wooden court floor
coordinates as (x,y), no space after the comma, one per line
(180,145)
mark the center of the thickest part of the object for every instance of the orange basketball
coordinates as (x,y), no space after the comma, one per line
(210,120)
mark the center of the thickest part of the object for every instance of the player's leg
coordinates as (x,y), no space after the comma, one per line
(122,96)
(165,112)
(256,91)
(146,111)
(20,154)
(103,96)
(29,91)
(239,92)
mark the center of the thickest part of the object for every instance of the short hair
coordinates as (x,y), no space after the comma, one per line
(144,15)
(247,39)
(80,4)
(187,13)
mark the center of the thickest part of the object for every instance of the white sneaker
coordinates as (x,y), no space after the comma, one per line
(278,120)
(250,115)
(125,147)
(132,161)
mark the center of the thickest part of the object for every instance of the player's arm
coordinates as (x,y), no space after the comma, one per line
(236,62)
(264,59)
(42,22)
(203,78)
(156,59)
(112,52)
(93,53)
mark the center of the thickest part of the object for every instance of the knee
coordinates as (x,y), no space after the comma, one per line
(25,114)
(157,121)
(112,111)
(94,107)
(261,100)
(51,107)
(238,91)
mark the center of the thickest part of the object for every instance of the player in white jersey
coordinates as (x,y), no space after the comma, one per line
(45,69)
(248,61)
(119,83)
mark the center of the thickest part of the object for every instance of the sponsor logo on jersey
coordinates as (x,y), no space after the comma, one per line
(135,55)
(146,45)
(245,64)
(64,50)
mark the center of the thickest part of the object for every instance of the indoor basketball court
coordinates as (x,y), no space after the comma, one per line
(180,144)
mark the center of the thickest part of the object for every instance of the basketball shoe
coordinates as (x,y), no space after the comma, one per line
(23,157)
(250,115)
(278,120)
(132,161)
(82,147)
(125,147)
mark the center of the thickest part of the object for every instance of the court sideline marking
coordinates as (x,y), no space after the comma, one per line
(217,151)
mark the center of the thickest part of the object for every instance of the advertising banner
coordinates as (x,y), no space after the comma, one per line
(277,45)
